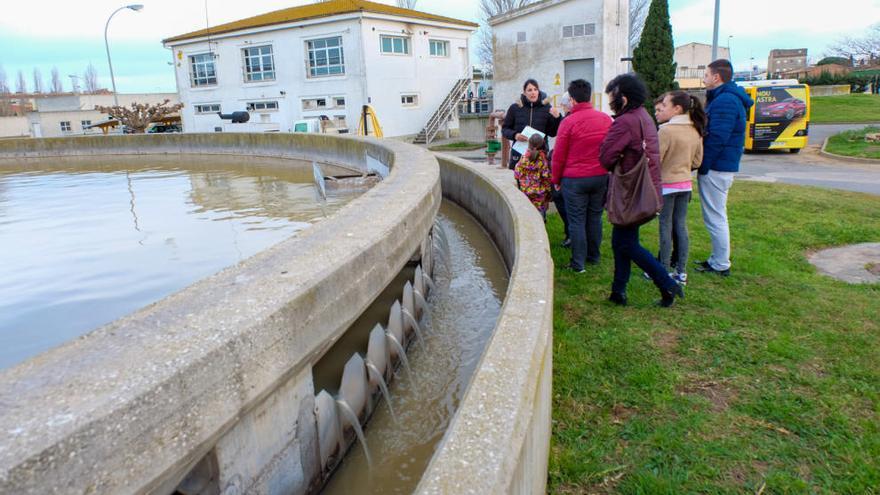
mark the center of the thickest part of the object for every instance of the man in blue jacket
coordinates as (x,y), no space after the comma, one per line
(726,106)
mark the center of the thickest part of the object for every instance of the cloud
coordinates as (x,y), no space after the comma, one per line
(766,18)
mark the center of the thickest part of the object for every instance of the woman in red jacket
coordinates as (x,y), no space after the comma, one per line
(623,147)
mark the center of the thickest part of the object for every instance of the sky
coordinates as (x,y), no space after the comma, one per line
(70,35)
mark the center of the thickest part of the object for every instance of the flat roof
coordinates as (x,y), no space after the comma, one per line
(314,11)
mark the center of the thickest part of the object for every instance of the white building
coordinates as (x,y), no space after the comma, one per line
(71,114)
(560,41)
(324,59)
(691,60)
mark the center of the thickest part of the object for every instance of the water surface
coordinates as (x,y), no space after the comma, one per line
(83,245)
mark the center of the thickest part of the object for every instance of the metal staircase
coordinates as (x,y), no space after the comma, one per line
(444,111)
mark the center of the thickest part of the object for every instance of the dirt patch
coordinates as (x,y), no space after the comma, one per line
(873,268)
(667,340)
(719,393)
(620,413)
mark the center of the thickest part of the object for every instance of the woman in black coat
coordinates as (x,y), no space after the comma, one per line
(533,109)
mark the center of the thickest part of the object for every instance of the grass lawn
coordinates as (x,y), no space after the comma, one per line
(767,381)
(852,143)
(458,146)
(845,108)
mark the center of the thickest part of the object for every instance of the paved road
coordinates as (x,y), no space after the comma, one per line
(807,168)
(818,132)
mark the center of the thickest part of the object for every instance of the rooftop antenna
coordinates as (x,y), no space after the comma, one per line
(208,31)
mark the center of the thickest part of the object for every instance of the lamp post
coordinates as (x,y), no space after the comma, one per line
(729,37)
(134,7)
(715,32)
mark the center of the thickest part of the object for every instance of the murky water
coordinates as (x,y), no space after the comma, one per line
(81,246)
(463,309)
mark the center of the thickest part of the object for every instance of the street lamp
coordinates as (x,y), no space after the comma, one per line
(728,48)
(135,7)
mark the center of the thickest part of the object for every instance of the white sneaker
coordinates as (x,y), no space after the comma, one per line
(680,278)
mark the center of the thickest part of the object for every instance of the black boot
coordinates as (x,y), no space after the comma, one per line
(618,298)
(668,296)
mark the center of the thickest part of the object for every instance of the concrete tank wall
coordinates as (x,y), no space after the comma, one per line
(499,440)
(214,381)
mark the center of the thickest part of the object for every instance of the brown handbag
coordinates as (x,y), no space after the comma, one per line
(632,198)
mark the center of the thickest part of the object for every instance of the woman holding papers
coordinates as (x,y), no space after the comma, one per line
(531,113)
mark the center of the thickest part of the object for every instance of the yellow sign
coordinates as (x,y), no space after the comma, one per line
(557,81)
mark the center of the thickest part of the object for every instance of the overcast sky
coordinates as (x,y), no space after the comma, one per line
(69,35)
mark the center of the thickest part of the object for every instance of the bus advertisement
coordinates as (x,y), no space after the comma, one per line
(780,117)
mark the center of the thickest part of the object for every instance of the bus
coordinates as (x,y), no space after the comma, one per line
(780,117)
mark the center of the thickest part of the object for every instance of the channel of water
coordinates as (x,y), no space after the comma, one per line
(462,312)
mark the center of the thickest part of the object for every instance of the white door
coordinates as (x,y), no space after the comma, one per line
(37,130)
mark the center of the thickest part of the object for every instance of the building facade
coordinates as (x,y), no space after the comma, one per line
(691,61)
(781,61)
(322,60)
(70,114)
(557,41)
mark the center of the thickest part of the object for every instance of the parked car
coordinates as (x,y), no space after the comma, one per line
(788,108)
(160,128)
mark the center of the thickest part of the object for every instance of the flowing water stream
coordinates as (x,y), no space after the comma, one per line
(470,282)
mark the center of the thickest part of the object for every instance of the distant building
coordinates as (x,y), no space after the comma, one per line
(691,60)
(325,59)
(557,41)
(69,114)
(786,60)
(815,71)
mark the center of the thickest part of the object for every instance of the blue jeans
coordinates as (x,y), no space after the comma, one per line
(584,203)
(625,243)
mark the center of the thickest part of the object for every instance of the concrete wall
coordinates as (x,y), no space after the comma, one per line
(14,127)
(473,128)
(837,89)
(212,385)
(499,440)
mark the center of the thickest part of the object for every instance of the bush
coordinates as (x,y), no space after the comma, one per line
(858,83)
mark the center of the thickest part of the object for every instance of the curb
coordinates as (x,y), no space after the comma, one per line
(851,159)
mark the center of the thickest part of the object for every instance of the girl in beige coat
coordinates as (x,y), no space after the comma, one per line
(683,122)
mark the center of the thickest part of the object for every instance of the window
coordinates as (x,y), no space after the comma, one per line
(521,37)
(204,108)
(202,72)
(325,57)
(265,106)
(409,100)
(439,48)
(578,30)
(398,45)
(339,102)
(65,126)
(85,124)
(258,64)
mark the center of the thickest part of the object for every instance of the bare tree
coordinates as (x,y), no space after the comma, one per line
(56,86)
(90,78)
(4,82)
(485,42)
(38,81)
(20,83)
(863,47)
(138,116)
(407,4)
(638,11)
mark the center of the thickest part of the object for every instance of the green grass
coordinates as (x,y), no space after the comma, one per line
(845,108)
(852,143)
(769,378)
(458,146)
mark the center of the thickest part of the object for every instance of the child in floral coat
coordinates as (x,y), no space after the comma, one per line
(533,176)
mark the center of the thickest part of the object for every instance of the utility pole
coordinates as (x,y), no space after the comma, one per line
(715,32)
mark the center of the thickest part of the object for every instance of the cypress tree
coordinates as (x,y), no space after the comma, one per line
(653,57)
